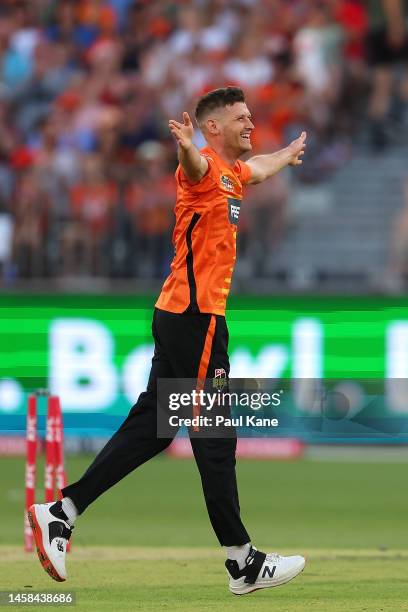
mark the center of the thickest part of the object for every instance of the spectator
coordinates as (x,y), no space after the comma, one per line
(248,67)
(397,273)
(30,207)
(8,142)
(92,202)
(150,211)
(87,87)
(387,47)
(318,58)
(18,39)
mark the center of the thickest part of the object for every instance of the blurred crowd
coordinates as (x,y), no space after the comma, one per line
(86,91)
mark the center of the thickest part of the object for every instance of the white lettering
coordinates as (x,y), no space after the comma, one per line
(397,366)
(234,211)
(307,347)
(136,371)
(81,368)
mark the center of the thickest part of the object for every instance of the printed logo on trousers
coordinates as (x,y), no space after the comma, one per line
(220,378)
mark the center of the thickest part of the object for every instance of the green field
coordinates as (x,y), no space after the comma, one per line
(147,544)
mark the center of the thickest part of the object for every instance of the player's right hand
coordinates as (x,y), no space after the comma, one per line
(182,132)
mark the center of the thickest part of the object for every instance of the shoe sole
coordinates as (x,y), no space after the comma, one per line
(42,555)
(268,586)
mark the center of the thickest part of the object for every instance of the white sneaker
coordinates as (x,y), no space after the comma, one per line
(51,534)
(262,571)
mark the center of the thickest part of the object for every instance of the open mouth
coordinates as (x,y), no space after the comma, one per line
(246,136)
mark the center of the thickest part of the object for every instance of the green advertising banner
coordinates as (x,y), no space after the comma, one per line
(95,351)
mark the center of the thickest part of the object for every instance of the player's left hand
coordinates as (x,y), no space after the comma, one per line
(297,149)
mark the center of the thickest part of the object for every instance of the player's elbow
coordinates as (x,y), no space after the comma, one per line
(257,177)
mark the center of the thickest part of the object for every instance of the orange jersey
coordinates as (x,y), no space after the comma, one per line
(205,238)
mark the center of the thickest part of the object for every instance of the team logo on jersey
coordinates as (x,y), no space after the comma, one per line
(220,378)
(234,206)
(227,183)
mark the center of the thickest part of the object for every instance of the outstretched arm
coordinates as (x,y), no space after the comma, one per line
(194,165)
(265,166)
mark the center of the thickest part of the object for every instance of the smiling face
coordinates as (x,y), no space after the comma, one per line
(231,126)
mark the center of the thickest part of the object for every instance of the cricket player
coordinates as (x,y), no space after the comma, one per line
(191,341)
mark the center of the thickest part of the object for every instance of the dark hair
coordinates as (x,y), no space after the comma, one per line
(218,98)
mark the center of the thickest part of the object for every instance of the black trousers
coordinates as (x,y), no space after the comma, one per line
(185,344)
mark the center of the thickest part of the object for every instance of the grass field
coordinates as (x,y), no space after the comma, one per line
(147,544)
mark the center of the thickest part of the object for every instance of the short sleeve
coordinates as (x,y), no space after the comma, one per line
(207,183)
(245,172)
